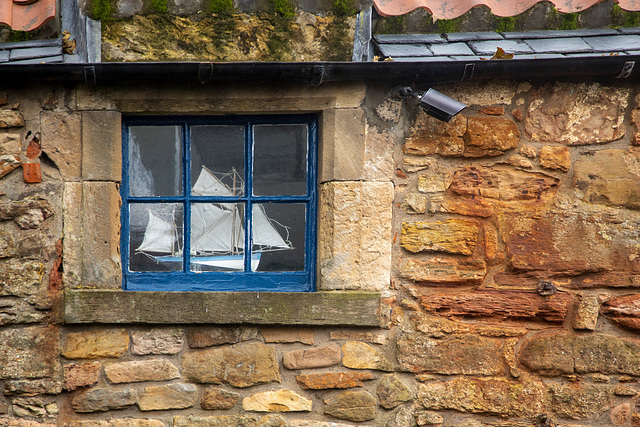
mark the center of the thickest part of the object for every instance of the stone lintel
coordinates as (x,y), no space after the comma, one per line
(262,308)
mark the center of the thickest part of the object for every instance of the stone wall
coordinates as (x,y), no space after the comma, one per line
(506,263)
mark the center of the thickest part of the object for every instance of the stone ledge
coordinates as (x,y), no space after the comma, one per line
(260,308)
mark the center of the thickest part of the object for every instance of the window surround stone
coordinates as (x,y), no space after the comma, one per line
(358,272)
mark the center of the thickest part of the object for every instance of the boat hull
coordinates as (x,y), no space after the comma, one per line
(225,262)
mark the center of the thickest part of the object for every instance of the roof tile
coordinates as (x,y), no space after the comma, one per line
(409,38)
(491,46)
(27,17)
(464,37)
(544,34)
(451,49)
(36,52)
(614,43)
(398,50)
(560,45)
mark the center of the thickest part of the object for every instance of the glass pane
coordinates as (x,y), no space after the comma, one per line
(217,237)
(155,160)
(280,160)
(217,160)
(278,237)
(155,237)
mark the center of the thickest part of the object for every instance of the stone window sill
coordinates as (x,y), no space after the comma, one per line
(339,308)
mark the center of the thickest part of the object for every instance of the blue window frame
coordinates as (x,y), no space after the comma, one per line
(219,203)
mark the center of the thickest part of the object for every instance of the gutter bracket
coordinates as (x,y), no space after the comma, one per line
(627,68)
(318,75)
(468,72)
(205,72)
(90,75)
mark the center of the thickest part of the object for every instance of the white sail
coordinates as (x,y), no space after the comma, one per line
(215,230)
(208,184)
(160,235)
(264,232)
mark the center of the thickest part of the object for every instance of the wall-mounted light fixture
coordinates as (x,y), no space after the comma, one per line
(434,103)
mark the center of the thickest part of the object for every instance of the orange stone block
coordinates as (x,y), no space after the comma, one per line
(32,173)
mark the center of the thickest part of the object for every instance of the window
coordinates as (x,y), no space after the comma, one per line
(219,204)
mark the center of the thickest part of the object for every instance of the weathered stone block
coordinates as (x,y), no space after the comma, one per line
(556,158)
(28,212)
(585,314)
(500,304)
(552,354)
(415,203)
(157,341)
(213,336)
(11,119)
(490,136)
(429,136)
(216,399)
(101,146)
(580,401)
(378,164)
(219,421)
(624,310)
(462,354)
(124,422)
(10,143)
(287,335)
(72,228)
(609,177)
(373,337)
(359,355)
(96,344)
(171,396)
(101,235)
(318,357)
(354,242)
(444,270)
(354,406)
(9,163)
(343,159)
(392,392)
(480,191)
(34,407)
(102,399)
(277,401)
(620,414)
(577,114)
(141,370)
(333,380)
(452,236)
(34,386)
(29,352)
(62,142)
(81,375)
(502,397)
(242,365)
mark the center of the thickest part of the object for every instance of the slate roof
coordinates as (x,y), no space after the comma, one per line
(448,9)
(31,52)
(523,45)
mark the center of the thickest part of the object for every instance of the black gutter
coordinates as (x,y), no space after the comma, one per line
(315,73)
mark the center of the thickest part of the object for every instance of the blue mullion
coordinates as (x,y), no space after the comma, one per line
(124,211)
(312,193)
(186,220)
(248,192)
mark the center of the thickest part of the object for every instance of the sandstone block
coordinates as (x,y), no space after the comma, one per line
(11,119)
(96,344)
(503,397)
(552,354)
(157,341)
(287,335)
(276,401)
(242,365)
(22,279)
(101,146)
(124,422)
(415,203)
(462,354)
(28,212)
(141,370)
(500,304)
(490,136)
(453,236)
(10,143)
(359,355)
(62,142)
(585,314)
(373,337)
(580,401)
(556,158)
(34,407)
(577,114)
(29,352)
(609,177)
(215,399)
(434,182)
(213,336)
(444,270)
(624,310)
(355,236)
(34,386)
(333,380)
(481,191)
(429,136)
(436,326)
(343,160)
(9,163)
(101,235)
(318,357)
(620,414)
(378,165)
(392,392)
(101,400)
(354,406)
(72,228)
(219,421)
(81,375)
(172,396)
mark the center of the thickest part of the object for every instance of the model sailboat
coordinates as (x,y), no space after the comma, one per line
(217,230)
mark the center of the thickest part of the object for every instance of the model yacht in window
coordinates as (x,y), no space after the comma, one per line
(217,229)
